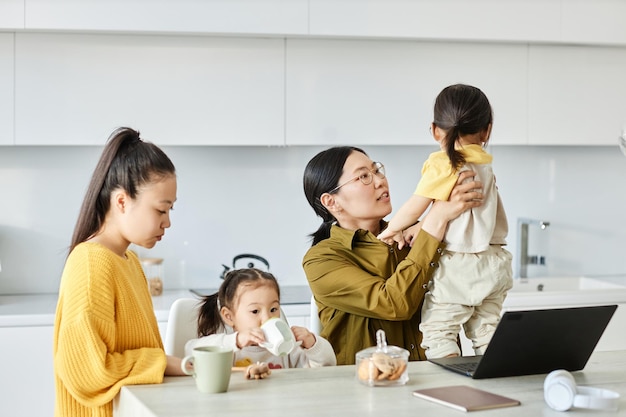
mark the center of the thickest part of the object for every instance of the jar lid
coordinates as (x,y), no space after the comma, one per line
(381,346)
(392,351)
(151,261)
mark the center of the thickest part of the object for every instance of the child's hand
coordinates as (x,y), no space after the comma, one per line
(410,234)
(389,236)
(303,335)
(250,337)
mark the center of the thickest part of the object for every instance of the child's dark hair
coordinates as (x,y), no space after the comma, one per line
(127,163)
(209,318)
(461,110)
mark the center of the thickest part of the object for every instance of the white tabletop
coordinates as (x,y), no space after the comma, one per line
(335,391)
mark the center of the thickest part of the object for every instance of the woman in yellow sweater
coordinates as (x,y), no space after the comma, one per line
(105,332)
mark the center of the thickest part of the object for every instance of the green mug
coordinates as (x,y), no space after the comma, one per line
(211,368)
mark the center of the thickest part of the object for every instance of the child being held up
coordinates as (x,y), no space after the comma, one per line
(474,272)
(233,316)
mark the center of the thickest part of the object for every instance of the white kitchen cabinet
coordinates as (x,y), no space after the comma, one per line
(598,21)
(382,92)
(76,89)
(508,20)
(12,14)
(6,86)
(182,16)
(577,95)
(27,379)
(561,21)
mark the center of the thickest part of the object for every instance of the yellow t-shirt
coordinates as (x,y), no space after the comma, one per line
(438,178)
(105,331)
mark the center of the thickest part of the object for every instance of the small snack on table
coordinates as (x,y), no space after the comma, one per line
(259,370)
(382,365)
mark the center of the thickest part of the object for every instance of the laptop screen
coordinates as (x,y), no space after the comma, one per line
(540,341)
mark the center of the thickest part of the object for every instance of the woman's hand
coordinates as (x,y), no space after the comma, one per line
(466,194)
(173,368)
(304,335)
(467,191)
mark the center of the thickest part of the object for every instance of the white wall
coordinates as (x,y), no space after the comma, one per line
(249,199)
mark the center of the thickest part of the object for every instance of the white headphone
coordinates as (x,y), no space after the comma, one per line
(561,394)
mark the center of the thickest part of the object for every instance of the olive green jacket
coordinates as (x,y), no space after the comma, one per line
(361,285)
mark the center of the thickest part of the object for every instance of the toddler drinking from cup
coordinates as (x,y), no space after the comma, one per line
(234,316)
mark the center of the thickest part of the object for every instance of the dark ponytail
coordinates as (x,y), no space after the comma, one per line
(456,158)
(322,232)
(461,110)
(321,175)
(209,319)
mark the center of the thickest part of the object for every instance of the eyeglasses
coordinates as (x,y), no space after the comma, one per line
(366,177)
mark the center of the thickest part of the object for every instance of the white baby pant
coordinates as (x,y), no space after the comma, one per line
(467,290)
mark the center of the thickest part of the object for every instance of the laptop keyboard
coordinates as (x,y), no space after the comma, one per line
(464,367)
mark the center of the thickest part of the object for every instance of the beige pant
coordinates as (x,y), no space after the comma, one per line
(467,290)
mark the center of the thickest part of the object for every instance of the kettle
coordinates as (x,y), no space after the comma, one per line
(250,258)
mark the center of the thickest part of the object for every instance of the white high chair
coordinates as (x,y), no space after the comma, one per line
(182,325)
(315,325)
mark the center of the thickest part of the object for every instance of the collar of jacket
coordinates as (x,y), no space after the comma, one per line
(348,237)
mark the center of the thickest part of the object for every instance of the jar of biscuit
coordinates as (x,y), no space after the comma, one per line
(382,365)
(153,268)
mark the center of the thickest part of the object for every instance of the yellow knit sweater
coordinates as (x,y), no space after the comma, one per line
(105,332)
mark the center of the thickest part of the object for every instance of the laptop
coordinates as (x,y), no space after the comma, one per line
(537,342)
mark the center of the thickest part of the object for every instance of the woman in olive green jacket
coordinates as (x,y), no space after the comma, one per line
(361,284)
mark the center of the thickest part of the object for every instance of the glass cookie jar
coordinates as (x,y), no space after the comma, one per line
(153,268)
(382,365)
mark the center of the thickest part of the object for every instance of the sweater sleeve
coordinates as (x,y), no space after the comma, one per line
(318,355)
(91,372)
